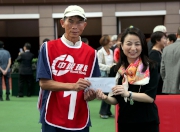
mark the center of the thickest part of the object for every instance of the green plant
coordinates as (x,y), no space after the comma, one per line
(15,66)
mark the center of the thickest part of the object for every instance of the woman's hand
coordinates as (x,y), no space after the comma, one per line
(100,95)
(119,90)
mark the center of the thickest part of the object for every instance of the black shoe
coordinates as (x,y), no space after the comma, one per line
(7,98)
(1,99)
(104,116)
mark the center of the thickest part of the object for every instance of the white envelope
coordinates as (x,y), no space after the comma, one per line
(104,83)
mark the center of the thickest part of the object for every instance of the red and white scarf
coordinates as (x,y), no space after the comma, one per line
(133,74)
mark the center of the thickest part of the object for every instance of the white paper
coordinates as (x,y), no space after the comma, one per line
(105,83)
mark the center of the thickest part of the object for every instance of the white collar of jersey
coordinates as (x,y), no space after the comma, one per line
(71,44)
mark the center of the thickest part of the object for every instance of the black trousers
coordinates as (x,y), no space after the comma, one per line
(6,79)
(26,79)
(105,108)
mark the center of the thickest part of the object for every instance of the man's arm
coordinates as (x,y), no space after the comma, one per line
(18,59)
(47,84)
(1,69)
(8,66)
(162,69)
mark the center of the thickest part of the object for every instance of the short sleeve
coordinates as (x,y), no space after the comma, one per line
(43,69)
(96,71)
(151,87)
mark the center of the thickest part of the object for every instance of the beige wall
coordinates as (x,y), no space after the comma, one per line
(108,21)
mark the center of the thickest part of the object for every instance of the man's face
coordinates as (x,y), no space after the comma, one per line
(73,26)
(169,42)
(24,48)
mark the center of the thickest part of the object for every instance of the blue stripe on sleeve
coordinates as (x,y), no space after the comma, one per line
(96,71)
(43,70)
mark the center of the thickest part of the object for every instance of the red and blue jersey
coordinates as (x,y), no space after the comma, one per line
(65,109)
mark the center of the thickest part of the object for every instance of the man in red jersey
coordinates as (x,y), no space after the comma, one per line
(62,66)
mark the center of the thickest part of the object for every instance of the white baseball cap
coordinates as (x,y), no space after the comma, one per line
(161,28)
(114,38)
(74,10)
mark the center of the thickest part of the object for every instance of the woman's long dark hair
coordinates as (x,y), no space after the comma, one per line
(144,54)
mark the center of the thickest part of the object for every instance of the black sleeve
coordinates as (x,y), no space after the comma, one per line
(151,87)
(19,58)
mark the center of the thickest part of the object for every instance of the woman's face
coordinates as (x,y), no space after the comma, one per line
(132,47)
(163,42)
(109,45)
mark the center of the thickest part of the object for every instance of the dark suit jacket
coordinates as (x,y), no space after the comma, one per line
(25,60)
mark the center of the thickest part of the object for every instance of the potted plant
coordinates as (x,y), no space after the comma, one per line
(15,78)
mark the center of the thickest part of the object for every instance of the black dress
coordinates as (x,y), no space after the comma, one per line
(139,117)
(156,56)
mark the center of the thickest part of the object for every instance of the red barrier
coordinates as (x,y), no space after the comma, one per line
(169,113)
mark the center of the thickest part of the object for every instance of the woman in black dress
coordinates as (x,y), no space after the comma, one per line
(159,41)
(136,87)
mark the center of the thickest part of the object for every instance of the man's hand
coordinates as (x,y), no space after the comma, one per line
(81,84)
(89,95)
(4,72)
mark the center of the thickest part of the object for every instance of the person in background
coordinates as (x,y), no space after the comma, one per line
(117,49)
(25,70)
(114,42)
(171,38)
(135,92)
(46,40)
(161,28)
(117,53)
(116,56)
(105,60)
(170,67)
(62,66)
(85,40)
(5,63)
(159,41)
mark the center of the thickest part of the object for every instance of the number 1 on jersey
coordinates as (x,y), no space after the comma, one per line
(72,104)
